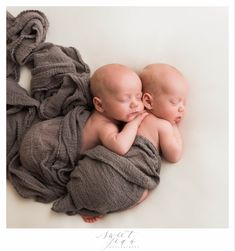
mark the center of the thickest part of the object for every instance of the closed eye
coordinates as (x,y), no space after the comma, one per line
(123,99)
(174,102)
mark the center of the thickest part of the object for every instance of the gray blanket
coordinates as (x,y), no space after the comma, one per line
(44,129)
(59,89)
(104,182)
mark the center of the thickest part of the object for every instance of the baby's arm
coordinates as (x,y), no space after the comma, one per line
(120,142)
(170,141)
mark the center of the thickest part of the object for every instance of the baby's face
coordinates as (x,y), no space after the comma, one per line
(170,104)
(123,98)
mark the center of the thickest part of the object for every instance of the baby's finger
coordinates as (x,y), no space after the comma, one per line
(144,114)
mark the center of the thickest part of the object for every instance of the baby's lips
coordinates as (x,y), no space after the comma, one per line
(135,111)
(178,119)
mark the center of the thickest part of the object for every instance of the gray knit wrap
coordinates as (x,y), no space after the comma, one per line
(105,182)
(59,89)
(44,130)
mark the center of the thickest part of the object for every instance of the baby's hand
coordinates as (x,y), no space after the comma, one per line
(138,119)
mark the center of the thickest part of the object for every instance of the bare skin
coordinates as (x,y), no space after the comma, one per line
(165,94)
(91,219)
(117,92)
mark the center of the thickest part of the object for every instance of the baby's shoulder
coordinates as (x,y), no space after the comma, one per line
(150,123)
(156,122)
(153,119)
(102,122)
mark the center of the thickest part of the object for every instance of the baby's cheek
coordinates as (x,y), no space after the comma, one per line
(142,106)
(172,114)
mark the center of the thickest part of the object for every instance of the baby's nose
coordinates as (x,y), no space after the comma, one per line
(134,103)
(181,108)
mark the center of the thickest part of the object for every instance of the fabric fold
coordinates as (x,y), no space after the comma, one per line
(24,33)
(44,130)
(105,182)
(59,102)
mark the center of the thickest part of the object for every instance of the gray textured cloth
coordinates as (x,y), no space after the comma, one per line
(59,89)
(44,130)
(49,151)
(104,182)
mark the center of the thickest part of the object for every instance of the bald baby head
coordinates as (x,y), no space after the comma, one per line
(156,78)
(108,78)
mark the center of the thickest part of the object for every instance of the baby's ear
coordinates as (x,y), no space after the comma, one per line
(147,101)
(98,104)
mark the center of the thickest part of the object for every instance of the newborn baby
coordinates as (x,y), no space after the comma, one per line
(117,93)
(165,92)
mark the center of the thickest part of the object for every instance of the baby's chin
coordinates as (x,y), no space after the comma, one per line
(172,121)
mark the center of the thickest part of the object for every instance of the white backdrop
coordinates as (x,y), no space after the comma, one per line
(194,192)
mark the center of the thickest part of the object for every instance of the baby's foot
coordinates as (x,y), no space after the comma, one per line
(91,219)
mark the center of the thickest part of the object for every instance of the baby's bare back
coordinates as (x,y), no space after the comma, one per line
(149,129)
(90,137)
(91,134)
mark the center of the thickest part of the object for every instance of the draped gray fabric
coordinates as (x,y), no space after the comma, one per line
(105,182)
(44,130)
(59,89)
